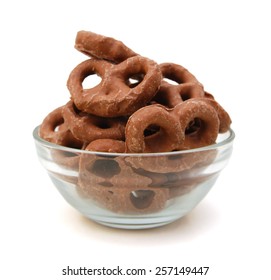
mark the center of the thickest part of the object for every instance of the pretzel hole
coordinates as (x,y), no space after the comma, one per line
(57,128)
(157,139)
(134,80)
(186,93)
(104,168)
(151,130)
(174,78)
(142,199)
(57,124)
(91,81)
(170,81)
(193,127)
(103,124)
(185,96)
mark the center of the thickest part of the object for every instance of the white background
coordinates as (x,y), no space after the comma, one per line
(226,45)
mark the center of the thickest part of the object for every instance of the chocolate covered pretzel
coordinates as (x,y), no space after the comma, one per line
(114,96)
(138,107)
(102,47)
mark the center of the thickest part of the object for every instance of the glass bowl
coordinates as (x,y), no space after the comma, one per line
(134,191)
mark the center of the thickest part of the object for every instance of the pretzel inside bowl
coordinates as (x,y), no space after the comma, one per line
(115,95)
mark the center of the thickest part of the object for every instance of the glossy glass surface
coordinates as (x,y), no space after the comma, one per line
(134,191)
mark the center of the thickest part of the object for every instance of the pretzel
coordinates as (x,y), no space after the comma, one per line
(87,128)
(55,130)
(200,123)
(187,85)
(171,163)
(102,47)
(108,182)
(224,118)
(106,145)
(114,96)
(165,131)
(191,124)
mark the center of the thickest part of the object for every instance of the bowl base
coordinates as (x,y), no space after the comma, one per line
(175,209)
(135,224)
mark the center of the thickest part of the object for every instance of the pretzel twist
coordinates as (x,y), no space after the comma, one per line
(115,96)
(87,127)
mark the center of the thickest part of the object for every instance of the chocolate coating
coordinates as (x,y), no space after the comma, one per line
(167,137)
(102,47)
(199,121)
(87,127)
(186,87)
(114,96)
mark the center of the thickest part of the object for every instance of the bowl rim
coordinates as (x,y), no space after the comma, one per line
(229,137)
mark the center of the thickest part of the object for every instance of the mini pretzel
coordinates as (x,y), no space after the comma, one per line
(106,145)
(114,96)
(55,130)
(187,85)
(171,163)
(102,47)
(87,128)
(224,118)
(199,121)
(79,95)
(167,134)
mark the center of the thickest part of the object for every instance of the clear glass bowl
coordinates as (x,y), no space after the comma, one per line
(134,191)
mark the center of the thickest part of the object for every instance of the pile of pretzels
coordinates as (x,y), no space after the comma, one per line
(139,106)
